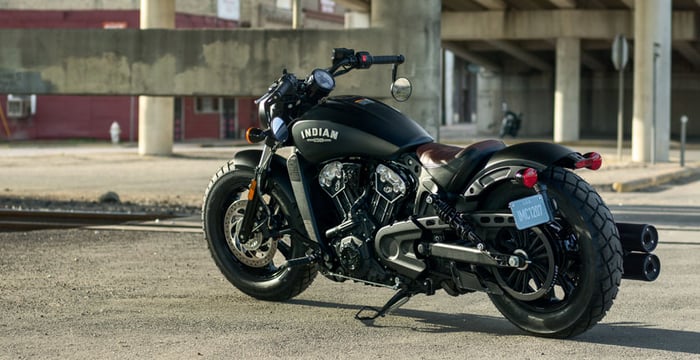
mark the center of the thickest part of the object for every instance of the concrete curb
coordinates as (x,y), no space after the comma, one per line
(655,180)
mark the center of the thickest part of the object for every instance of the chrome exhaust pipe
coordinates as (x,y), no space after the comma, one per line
(638,237)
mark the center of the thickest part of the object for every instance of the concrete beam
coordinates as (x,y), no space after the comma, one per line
(689,52)
(564,4)
(522,55)
(592,62)
(492,4)
(587,60)
(629,3)
(182,62)
(684,26)
(461,52)
(550,24)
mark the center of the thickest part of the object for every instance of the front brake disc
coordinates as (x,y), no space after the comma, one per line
(256,252)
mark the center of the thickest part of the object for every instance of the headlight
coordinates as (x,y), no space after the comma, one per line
(320,83)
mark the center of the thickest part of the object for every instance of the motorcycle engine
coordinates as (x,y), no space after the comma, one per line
(366,199)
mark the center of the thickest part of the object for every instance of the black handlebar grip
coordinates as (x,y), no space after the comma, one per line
(388,59)
(283,88)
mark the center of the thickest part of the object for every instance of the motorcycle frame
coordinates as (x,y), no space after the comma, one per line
(293,176)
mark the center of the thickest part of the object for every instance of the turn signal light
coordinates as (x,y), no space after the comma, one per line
(527,177)
(591,160)
(251,189)
(254,135)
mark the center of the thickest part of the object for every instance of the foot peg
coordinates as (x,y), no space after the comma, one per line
(396,301)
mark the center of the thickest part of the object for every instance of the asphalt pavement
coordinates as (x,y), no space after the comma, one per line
(97,294)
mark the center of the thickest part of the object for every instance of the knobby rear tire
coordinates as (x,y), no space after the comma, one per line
(600,258)
(272,284)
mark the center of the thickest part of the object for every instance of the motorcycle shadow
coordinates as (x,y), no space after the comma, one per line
(627,334)
(432,322)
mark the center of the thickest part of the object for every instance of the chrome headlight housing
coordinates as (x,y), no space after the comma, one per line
(262,116)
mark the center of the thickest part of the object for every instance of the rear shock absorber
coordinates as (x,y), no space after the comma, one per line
(450,216)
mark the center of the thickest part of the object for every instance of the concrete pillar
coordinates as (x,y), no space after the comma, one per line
(296,14)
(449,87)
(156,114)
(489,87)
(652,81)
(415,32)
(567,90)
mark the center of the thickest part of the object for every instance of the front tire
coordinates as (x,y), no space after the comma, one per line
(255,270)
(586,256)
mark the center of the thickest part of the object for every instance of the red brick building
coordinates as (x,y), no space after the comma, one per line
(72,117)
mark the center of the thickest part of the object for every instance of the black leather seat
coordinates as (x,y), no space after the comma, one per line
(452,166)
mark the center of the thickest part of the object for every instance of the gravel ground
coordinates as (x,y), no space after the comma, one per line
(87,294)
(148,207)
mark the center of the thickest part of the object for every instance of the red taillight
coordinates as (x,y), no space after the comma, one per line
(527,177)
(591,160)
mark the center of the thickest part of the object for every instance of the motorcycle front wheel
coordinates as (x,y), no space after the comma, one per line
(255,267)
(575,266)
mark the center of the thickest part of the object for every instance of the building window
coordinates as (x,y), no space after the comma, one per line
(207,104)
(284,4)
(327,6)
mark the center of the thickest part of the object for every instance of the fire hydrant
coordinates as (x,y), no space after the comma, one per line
(114,131)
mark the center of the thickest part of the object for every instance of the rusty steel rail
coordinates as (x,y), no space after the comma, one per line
(26,220)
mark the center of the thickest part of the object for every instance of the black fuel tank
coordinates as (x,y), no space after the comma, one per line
(355,126)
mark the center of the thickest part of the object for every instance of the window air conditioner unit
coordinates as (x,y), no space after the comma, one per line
(18,107)
(21,106)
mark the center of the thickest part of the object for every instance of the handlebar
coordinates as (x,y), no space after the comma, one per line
(344,60)
(286,83)
(390,59)
(348,59)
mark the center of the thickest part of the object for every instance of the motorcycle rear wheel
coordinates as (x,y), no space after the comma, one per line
(254,268)
(587,258)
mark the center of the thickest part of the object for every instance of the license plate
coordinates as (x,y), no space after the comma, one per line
(530,211)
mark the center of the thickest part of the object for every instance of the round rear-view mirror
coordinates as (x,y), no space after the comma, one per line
(401,89)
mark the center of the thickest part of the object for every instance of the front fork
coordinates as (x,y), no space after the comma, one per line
(245,230)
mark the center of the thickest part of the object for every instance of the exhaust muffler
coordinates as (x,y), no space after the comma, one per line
(640,266)
(638,241)
(638,237)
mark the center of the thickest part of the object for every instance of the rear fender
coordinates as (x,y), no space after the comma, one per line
(506,163)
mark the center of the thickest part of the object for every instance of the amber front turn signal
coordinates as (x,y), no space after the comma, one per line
(254,135)
(251,189)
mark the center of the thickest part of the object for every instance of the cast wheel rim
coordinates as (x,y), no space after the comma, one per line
(537,277)
(257,252)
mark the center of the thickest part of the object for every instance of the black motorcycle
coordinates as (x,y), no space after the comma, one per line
(510,124)
(367,195)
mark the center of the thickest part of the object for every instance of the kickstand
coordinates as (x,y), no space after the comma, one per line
(400,298)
